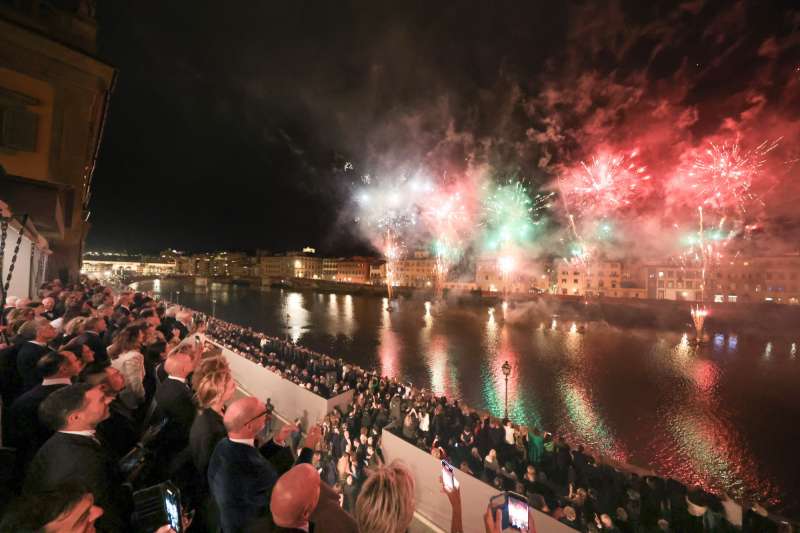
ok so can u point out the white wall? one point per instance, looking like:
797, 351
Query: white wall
433, 504
291, 401
21, 280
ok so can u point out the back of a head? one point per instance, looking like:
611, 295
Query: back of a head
386, 501
50, 363
295, 496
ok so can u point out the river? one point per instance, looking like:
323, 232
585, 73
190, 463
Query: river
725, 415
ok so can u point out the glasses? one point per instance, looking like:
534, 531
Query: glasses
265, 412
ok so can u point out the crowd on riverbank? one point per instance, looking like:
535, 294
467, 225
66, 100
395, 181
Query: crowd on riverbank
558, 478
106, 392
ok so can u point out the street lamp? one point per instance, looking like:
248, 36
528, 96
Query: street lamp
213, 307
506, 372
178, 300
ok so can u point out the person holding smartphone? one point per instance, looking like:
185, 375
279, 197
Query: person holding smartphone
505, 510
452, 490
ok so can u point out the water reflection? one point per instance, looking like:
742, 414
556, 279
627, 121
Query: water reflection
296, 315
719, 414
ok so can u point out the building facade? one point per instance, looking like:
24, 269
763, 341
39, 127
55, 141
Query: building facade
353, 270
602, 279
494, 274
54, 96
418, 270
773, 278
106, 265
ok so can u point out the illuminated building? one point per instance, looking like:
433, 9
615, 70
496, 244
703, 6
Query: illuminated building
774, 278
330, 267
107, 264
31, 263
54, 96
594, 279
278, 267
419, 270
500, 274
353, 270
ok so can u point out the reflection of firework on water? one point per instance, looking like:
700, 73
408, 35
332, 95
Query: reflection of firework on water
699, 318
723, 175
511, 215
604, 186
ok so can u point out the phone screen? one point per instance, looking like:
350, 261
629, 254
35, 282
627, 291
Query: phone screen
173, 510
448, 478
517, 512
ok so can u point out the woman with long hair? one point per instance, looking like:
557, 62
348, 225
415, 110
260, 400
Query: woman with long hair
214, 387
130, 362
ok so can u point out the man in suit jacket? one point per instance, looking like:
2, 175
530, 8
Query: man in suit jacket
31, 351
301, 501
26, 432
94, 330
174, 401
74, 452
239, 475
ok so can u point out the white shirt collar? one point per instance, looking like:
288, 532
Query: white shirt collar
37, 343
56, 381
249, 442
176, 378
85, 433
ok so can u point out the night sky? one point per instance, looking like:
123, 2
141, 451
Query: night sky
235, 125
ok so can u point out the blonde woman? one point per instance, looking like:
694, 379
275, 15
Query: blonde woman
130, 362
386, 501
214, 387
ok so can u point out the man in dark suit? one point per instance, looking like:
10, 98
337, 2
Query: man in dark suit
74, 452
174, 402
239, 475
301, 502
26, 432
31, 351
94, 330
119, 432
123, 304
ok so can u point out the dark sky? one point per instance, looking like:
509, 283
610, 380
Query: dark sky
232, 122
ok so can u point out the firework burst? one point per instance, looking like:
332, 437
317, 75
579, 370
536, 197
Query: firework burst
604, 186
723, 175
511, 215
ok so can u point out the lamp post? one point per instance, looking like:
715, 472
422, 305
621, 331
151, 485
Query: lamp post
214, 307
178, 296
506, 372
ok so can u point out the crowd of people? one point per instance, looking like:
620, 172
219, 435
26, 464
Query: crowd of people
107, 393
567, 482
107, 396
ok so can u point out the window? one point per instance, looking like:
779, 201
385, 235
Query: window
732, 298
719, 298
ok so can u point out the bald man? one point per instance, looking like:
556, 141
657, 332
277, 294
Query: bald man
240, 476
174, 402
295, 497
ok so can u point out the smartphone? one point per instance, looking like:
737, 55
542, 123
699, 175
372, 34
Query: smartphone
448, 478
172, 505
514, 510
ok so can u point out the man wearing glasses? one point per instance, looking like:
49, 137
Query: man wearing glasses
239, 474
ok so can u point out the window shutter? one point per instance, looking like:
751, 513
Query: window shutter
18, 128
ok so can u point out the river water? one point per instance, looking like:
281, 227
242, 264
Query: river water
725, 415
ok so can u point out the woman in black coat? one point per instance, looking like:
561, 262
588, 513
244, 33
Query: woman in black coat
214, 386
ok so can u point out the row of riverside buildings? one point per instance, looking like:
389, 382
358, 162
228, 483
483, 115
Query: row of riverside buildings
767, 278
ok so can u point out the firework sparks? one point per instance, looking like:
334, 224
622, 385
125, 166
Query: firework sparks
511, 215
604, 186
388, 211
723, 175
